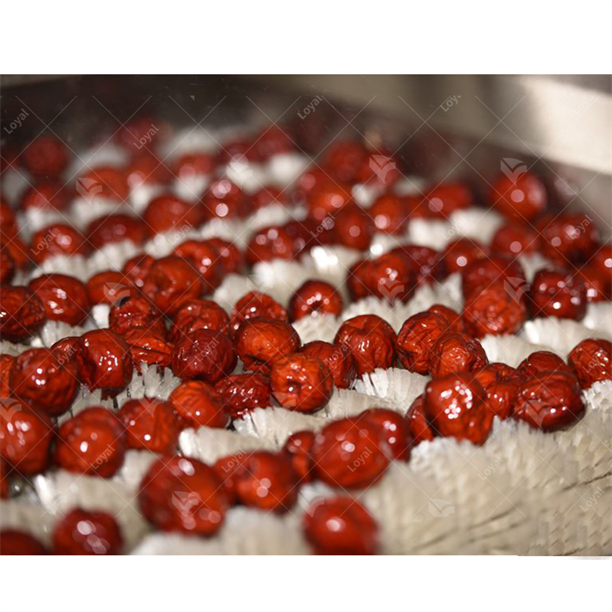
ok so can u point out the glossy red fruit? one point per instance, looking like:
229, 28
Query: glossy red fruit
461, 252
370, 339
226, 469
65, 351
514, 239
135, 312
350, 453
389, 214
416, 339
256, 304
327, 199
446, 198
22, 314
482, 273
184, 495
205, 355
40, 380
456, 406
224, 200
6, 365
103, 182
199, 404
64, 297
338, 359
417, 422
542, 361
104, 361
168, 213
314, 297
260, 342
267, 481
272, 140
519, 195
15, 542
82, 532
46, 156
149, 346
298, 450
591, 361
558, 293
568, 238
426, 263
116, 228
136, 269
7, 267
273, 242
242, 393
150, 424
268, 196
57, 239
301, 383
229, 256
109, 287
549, 401
496, 310
456, 352
379, 170
394, 429
93, 442
25, 436
147, 169
139, 133
204, 258
389, 277
598, 285
340, 526
198, 314
194, 164
353, 228
49, 196
501, 384
171, 281
452, 317
602, 259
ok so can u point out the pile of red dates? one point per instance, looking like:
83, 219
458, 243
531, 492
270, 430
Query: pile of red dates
230, 363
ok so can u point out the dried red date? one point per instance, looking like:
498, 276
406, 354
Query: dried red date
598, 285
136, 269
557, 293
416, 339
135, 312
482, 273
446, 198
224, 200
184, 495
417, 422
6, 365
171, 281
260, 342
104, 182
301, 383
456, 352
456, 406
230, 258
426, 262
150, 424
461, 252
515, 239
149, 346
340, 526
549, 401
591, 361
198, 314
206, 354
82, 532
226, 469
25, 436
40, 380
273, 242
338, 359
204, 258
394, 429
390, 277
93, 442
519, 196
242, 393
568, 237
199, 404
194, 164
602, 260
64, 297
452, 318
57, 239
266, 481
46, 156
542, 361
501, 384
15, 542
297, 449
327, 199
353, 228
116, 228
104, 361
168, 213
22, 314
109, 287
350, 453
370, 339
44, 196
313, 297
389, 214
256, 304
